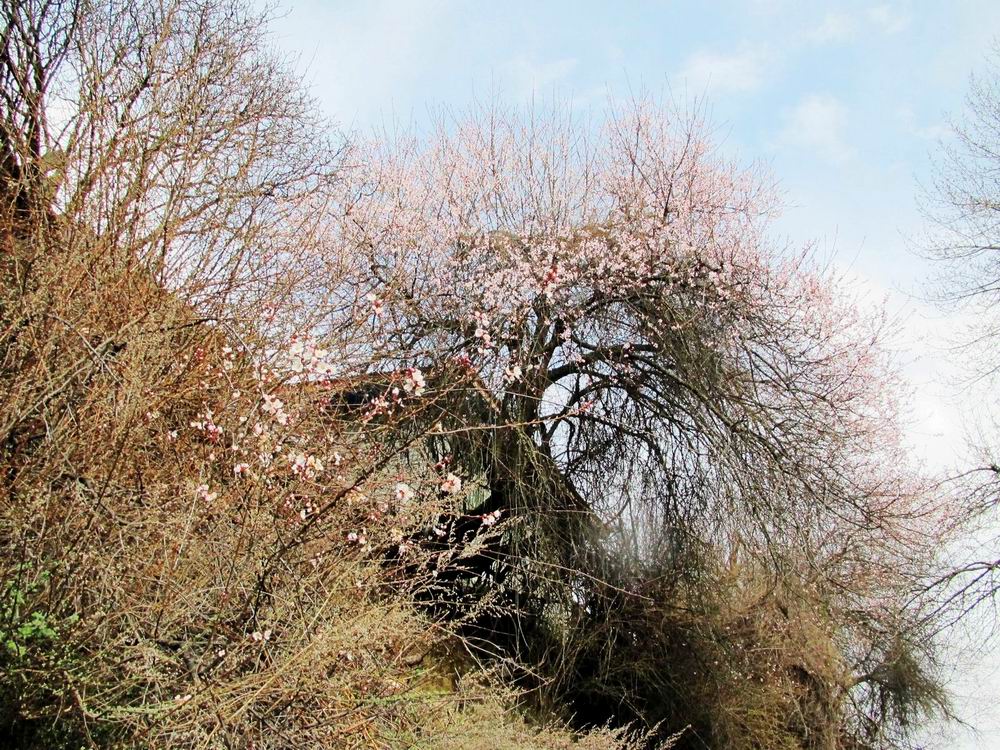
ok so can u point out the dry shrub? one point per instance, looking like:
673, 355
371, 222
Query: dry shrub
187, 563
189, 522
729, 654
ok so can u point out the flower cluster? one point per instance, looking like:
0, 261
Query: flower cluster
305, 466
451, 484
413, 381
304, 357
274, 407
403, 493
203, 492
377, 304
492, 518
206, 423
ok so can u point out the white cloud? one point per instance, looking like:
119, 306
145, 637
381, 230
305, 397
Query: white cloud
936, 131
529, 76
838, 26
818, 123
770, 7
720, 73
835, 27
887, 19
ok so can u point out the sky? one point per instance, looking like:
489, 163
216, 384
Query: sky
844, 103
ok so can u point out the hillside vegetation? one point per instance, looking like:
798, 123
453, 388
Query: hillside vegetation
520, 435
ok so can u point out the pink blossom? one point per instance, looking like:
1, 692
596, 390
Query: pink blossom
512, 374
403, 493
356, 538
451, 484
275, 407
306, 466
413, 382
203, 492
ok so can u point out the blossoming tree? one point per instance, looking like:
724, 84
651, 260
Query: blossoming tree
647, 375
657, 459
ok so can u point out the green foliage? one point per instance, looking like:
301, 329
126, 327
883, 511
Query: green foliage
21, 625
40, 661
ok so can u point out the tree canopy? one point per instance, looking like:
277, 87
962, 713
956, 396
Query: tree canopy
273, 401
653, 383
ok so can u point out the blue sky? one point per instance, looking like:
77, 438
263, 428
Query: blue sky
844, 102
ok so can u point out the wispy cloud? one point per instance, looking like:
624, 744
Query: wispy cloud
818, 123
834, 27
887, 19
839, 26
721, 73
528, 76
934, 131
